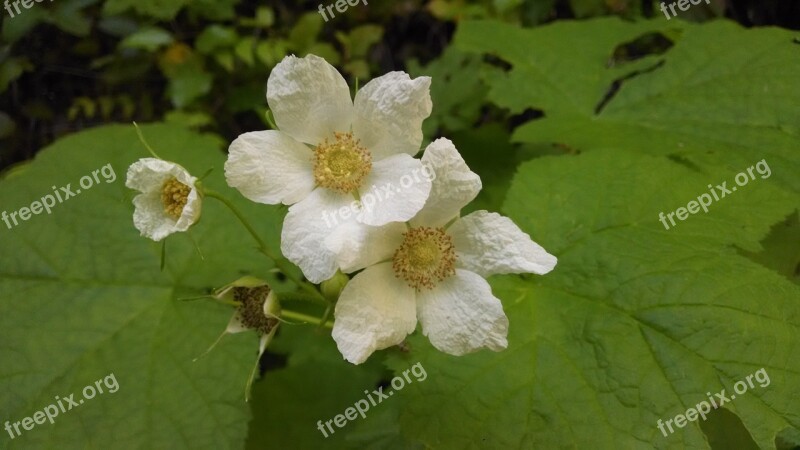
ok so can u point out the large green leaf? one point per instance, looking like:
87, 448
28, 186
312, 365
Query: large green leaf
721, 96
637, 323
82, 296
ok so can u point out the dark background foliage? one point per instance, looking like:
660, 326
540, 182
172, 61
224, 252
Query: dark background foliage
73, 64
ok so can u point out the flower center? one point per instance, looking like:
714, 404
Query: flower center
425, 257
251, 308
341, 165
174, 196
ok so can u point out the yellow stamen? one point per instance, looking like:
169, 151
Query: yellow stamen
341, 165
426, 257
174, 196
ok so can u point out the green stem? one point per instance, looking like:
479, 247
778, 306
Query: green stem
294, 315
326, 316
279, 263
144, 142
297, 297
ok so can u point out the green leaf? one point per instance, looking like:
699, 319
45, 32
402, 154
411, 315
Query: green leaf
11, 69
271, 52
68, 16
150, 39
458, 90
316, 385
213, 9
188, 82
634, 325
188, 119
159, 9
696, 101
82, 296
21, 24
215, 37
637, 323
358, 42
326, 51
265, 17
305, 32
245, 50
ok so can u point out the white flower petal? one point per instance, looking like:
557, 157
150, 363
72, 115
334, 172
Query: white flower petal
149, 217
309, 99
265, 340
461, 315
305, 229
357, 245
270, 167
375, 311
191, 211
389, 112
236, 325
150, 174
271, 306
394, 191
454, 184
488, 243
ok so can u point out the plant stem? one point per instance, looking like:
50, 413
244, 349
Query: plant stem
279, 263
297, 297
294, 315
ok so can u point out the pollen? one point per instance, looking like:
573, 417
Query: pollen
341, 165
174, 196
251, 308
425, 257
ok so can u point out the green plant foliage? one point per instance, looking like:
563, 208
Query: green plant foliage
637, 323
583, 132
168, 9
149, 39
694, 102
83, 297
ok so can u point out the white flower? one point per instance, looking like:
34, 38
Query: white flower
331, 150
432, 270
169, 201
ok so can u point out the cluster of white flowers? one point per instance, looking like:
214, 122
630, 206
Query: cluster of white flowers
418, 259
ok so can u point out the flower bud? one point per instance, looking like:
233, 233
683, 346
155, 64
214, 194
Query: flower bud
333, 287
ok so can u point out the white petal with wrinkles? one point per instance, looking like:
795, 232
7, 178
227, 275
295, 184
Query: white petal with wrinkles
461, 315
488, 243
394, 191
305, 229
149, 217
309, 99
150, 174
389, 111
374, 311
454, 184
270, 167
